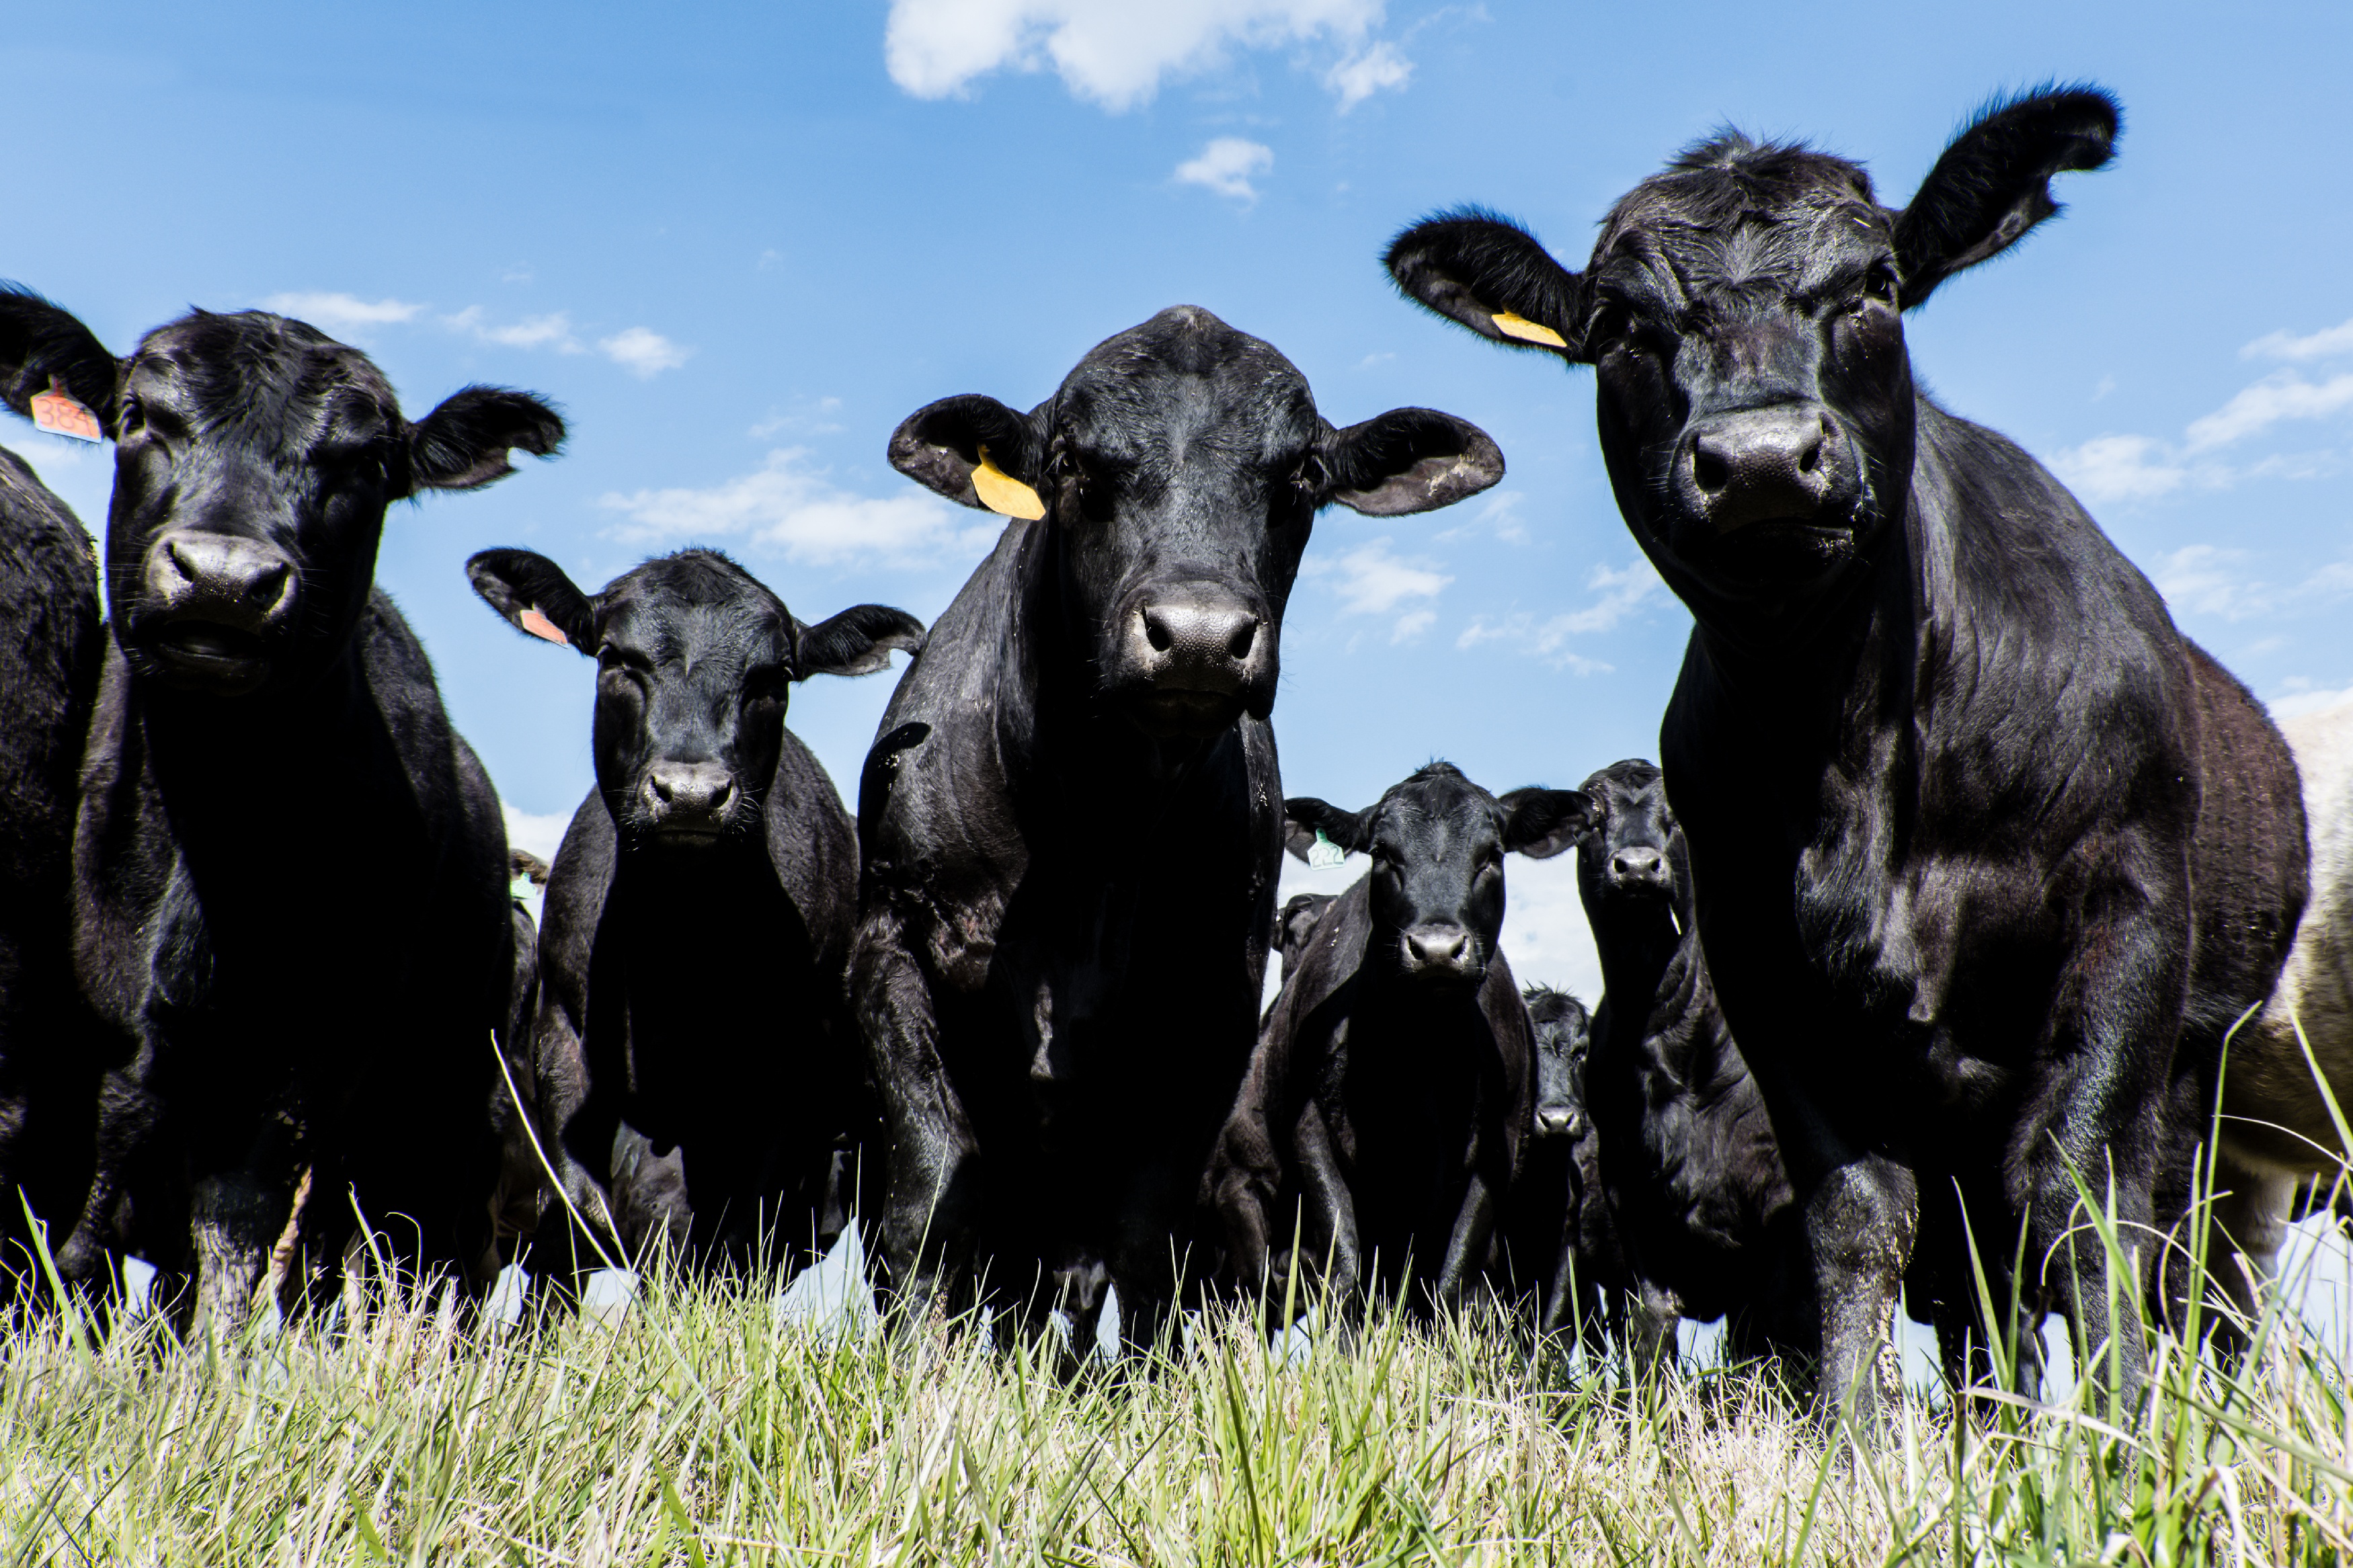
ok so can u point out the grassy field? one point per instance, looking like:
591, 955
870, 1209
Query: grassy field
706, 1426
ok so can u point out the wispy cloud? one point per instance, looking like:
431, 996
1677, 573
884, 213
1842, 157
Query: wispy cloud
552, 331
1372, 579
2283, 396
1117, 53
791, 507
1226, 166
2329, 342
346, 314
643, 353
1622, 590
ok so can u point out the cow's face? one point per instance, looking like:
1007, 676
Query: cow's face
1438, 843
695, 661
1626, 864
1741, 312
1180, 468
1295, 923
1562, 1031
255, 457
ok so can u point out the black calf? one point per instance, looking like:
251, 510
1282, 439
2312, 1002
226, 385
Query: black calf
1389, 1093
696, 1069
1295, 923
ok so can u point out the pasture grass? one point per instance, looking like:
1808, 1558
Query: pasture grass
704, 1426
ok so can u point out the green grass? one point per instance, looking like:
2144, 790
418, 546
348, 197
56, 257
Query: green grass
703, 1427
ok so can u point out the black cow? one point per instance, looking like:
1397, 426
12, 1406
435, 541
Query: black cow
1988, 855
696, 1067
1689, 1169
1558, 1251
1295, 923
50, 650
1390, 1093
266, 728
523, 1177
1071, 816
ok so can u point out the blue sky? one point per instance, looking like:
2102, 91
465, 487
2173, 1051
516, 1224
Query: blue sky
738, 244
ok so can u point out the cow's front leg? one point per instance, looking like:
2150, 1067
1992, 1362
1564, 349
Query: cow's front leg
1467, 1242
925, 1236
242, 1180
1328, 1241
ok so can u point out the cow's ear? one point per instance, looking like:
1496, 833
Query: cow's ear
41, 344
856, 642
1490, 275
463, 444
1304, 816
1993, 184
1541, 823
974, 451
532, 594
1408, 459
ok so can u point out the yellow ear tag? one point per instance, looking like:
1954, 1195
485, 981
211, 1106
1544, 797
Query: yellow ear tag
1527, 332
539, 627
1003, 494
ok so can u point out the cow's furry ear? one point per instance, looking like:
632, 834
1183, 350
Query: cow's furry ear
463, 444
1304, 816
532, 595
1541, 823
1993, 184
1408, 459
41, 342
1487, 273
856, 642
975, 451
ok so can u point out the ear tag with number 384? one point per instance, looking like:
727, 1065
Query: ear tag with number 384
59, 413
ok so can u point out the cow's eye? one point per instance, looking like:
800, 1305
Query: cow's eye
1879, 289
1609, 329
1308, 477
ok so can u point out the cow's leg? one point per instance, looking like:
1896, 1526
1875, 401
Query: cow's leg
1466, 1243
1860, 1218
240, 1193
924, 1236
2245, 1229
1654, 1319
1328, 1244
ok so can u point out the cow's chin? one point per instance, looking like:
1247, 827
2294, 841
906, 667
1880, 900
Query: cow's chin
198, 656
1182, 715
1771, 558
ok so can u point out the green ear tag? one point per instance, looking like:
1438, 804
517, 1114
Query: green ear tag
521, 889
1324, 852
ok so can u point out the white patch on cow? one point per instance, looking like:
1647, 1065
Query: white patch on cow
1115, 53
1226, 166
791, 508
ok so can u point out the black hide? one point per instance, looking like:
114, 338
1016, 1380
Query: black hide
290, 872
696, 1072
1987, 855
1071, 815
50, 650
1688, 1165
1295, 923
1558, 1253
1389, 1091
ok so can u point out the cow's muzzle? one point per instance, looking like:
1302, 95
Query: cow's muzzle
1192, 656
1788, 463
688, 804
1560, 1121
1442, 955
211, 607
1640, 869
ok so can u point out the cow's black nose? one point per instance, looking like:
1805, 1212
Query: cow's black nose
244, 584
1438, 950
1194, 642
1783, 461
1557, 1122
689, 798
1637, 866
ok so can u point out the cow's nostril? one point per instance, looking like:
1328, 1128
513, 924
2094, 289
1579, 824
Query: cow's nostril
1709, 471
1157, 633
268, 586
1238, 645
661, 786
1812, 457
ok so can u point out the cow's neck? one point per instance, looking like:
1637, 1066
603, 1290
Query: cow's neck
1642, 942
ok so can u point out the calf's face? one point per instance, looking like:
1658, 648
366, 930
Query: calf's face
1741, 312
695, 661
254, 459
1179, 468
1626, 863
1295, 923
1437, 843
1562, 1031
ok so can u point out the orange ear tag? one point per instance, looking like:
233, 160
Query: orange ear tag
57, 412
1003, 494
1527, 332
539, 626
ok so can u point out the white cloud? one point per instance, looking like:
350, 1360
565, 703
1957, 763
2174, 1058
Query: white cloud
2301, 696
2119, 468
340, 313
1366, 72
1226, 166
794, 510
1623, 589
2329, 342
1112, 53
1372, 581
2202, 578
1408, 629
643, 353
2283, 396
552, 331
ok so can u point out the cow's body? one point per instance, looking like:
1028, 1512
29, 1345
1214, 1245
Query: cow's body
289, 871
50, 642
1070, 817
1559, 1251
1986, 855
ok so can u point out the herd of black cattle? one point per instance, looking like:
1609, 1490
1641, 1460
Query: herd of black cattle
1977, 858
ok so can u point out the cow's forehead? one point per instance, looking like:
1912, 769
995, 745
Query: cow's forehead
696, 605
1441, 800
252, 366
1733, 216
1188, 376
